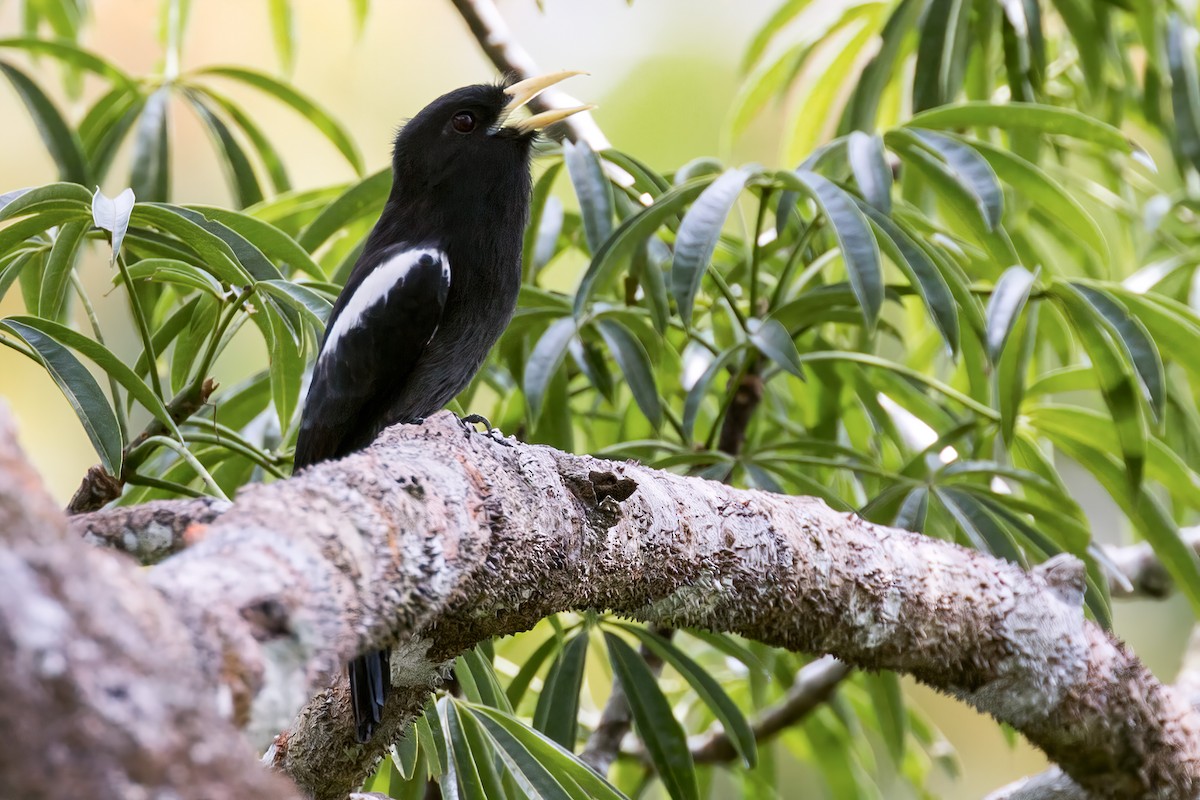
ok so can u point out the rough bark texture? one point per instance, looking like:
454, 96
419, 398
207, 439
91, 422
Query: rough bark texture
101, 691
437, 539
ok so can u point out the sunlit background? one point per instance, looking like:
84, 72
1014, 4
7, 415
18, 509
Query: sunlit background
664, 73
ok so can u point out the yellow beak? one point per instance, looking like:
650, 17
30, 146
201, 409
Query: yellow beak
524, 91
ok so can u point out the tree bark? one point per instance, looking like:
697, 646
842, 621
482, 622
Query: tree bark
436, 539
102, 694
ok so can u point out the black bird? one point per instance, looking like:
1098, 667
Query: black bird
434, 288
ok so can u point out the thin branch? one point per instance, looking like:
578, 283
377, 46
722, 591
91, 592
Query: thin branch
1144, 574
815, 684
490, 30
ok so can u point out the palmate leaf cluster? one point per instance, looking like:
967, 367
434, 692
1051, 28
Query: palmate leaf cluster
969, 276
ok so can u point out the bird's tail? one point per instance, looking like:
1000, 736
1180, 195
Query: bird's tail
369, 682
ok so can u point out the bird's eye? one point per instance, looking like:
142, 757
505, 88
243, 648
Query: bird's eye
463, 122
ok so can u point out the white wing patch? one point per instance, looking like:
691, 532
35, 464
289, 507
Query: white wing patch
375, 288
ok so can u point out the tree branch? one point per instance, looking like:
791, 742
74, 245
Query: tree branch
815, 683
440, 539
101, 693
490, 30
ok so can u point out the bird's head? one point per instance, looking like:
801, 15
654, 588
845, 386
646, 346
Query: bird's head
473, 131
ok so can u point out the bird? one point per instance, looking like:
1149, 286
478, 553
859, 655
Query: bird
434, 288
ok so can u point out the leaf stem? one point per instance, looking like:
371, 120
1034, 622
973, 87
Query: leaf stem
756, 250
794, 259
139, 316
188, 456
114, 387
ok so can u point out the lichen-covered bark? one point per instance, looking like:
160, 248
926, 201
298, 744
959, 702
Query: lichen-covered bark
100, 695
454, 537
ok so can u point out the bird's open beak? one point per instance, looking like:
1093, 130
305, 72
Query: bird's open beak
524, 91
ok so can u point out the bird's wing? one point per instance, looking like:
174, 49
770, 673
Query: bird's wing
377, 331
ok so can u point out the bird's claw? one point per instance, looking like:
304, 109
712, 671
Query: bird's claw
495, 434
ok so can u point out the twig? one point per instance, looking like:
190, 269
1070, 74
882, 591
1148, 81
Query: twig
490, 30
1144, 573
815, 684
605, 742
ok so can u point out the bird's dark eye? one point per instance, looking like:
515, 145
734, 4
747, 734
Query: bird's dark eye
463, 122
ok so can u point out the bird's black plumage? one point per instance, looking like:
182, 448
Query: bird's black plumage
434, 288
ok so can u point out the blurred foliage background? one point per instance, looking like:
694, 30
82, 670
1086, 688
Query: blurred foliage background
974, 323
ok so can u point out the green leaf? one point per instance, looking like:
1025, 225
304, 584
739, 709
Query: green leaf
312, 305
287, 370
318, 117
1115, 376
533, 662
112, 215
463, 773
697, 237
363, 198
971, 170
269, 239
404, 753
592, 189
1006, 303
544, 361
249, 256
535, 755
1012, 369
1139, 348
59, 265
1032, 183
707, 688
960, 202
271, 160
782, 15
634, 362
151, 177
52, 196
941, 53
283, 31
982, 529
921, 272
1050, 120
887, 697
239, 172
478, 669
767, 81
631, 233
81, 390
558, 704
171, 270
666, 743
1185, 87
774, 342
103, 358
871, 170
537, 246
862, 109
59, 137
860, 251
69, 53
214, 253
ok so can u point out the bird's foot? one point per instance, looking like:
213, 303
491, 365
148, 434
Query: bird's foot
495, 434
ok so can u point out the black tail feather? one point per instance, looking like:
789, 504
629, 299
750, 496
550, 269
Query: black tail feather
369, 683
